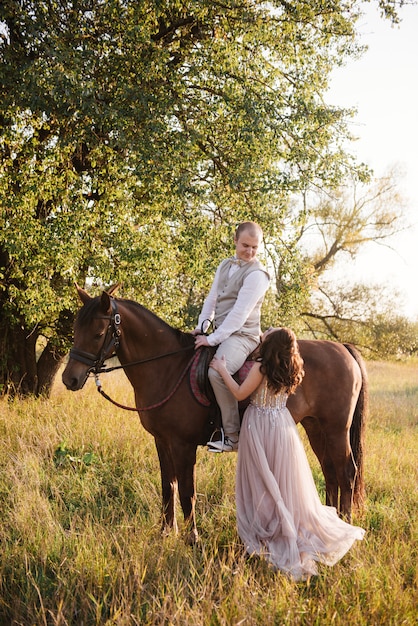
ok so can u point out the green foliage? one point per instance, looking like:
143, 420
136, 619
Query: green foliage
136, 135
63, 456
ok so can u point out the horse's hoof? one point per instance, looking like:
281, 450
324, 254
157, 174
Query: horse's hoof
167, 530
191, 538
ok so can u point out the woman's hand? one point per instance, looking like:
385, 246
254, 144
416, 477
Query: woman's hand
219, 365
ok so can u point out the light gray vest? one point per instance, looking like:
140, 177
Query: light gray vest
228, 289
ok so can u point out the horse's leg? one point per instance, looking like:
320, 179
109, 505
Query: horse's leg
184, 456
168, 485
318, 443
342, 458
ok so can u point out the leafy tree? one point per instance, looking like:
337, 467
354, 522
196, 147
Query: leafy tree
363, 315
136, 134
336, 225
344, 219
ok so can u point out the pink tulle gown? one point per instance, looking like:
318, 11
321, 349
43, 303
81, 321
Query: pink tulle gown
279, 513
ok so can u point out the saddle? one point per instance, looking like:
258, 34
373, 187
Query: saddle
202, 389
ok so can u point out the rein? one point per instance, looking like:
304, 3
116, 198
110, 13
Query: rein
106, 370
151, 406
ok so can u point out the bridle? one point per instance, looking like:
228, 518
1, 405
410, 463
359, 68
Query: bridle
109, 348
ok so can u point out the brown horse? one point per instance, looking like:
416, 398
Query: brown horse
156, 358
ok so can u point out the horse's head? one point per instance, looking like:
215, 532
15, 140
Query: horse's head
96, 331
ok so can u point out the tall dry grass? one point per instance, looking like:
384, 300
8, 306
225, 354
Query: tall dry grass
80, 537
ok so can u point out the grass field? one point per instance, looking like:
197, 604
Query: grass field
80, 539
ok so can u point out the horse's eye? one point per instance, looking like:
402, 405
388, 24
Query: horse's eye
98, 336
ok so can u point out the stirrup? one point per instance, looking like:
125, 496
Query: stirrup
217, 430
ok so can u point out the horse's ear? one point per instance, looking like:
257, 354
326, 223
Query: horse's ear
113, 288
105, 298
105, 302
83, 295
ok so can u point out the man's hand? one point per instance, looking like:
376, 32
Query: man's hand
201, 340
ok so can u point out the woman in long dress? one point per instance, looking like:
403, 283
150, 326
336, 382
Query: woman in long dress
279, 513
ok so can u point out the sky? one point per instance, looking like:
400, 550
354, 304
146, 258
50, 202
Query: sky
383, 87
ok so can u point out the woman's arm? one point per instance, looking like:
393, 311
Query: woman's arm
250, 384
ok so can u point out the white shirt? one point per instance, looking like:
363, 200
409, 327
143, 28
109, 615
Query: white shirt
253, 288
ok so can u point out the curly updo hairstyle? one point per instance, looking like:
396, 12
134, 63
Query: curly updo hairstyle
280, 360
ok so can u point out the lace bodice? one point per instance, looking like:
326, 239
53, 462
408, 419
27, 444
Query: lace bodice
263, 398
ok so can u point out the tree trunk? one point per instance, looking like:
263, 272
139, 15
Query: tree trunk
48, 365
21, 373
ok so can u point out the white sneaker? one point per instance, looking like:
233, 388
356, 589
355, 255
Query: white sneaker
227, 445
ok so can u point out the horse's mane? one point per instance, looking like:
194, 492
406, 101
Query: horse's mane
92, 307
185, 339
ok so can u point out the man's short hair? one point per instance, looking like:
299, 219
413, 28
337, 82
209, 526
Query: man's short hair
252, 227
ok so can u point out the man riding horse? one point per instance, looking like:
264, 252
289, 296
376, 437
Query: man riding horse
234, 305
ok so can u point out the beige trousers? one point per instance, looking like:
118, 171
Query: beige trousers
235, 349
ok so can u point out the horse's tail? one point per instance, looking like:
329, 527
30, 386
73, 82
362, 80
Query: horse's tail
357, 429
